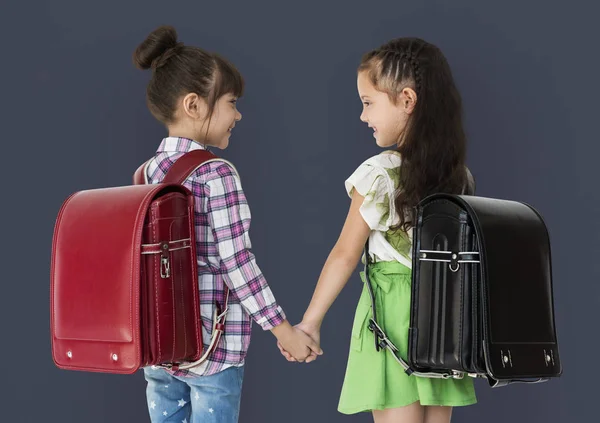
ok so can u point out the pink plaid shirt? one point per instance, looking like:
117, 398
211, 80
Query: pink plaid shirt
222, 221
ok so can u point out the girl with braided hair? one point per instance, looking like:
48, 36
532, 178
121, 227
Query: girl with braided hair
414, 108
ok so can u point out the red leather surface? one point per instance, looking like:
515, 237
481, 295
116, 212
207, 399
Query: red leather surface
172, 306
103, 290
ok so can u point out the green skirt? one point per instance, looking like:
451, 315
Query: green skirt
374, 379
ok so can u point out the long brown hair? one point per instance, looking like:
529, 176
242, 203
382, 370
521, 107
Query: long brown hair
433, 145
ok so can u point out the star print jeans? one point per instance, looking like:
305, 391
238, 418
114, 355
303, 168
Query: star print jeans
194, 399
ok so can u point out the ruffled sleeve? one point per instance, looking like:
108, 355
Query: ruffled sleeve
374, 184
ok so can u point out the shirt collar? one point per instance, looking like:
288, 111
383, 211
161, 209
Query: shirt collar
179, 145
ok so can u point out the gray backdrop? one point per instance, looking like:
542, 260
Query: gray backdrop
74, 117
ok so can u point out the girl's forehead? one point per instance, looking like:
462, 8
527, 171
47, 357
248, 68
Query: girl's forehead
366, 87
363, 82
227, 97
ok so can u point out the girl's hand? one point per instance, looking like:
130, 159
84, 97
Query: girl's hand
313, 331
297, 344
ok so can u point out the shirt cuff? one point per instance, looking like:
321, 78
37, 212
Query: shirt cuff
274, 317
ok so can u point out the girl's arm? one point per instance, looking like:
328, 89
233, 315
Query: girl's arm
229, 219
339, 266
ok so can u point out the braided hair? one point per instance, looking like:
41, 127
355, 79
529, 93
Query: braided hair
433, 145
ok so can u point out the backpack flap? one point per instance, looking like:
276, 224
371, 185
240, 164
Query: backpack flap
517, 305
95, 278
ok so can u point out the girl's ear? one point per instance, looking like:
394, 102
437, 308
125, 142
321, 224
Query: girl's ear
408, 100
194, 106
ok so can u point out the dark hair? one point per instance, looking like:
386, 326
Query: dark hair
433, 145
179, 69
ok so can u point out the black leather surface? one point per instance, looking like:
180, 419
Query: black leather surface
496, 317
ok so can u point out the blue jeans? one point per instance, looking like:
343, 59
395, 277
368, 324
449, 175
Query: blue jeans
194, 399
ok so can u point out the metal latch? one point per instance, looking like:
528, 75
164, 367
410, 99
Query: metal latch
165, 264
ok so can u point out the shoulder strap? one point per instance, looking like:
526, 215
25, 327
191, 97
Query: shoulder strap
177, 174
185, 165
139, 175
469, 187
382, 342
182, 168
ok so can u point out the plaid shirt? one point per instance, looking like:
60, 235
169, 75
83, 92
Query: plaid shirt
222, 222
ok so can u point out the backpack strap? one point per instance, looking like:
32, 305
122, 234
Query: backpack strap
179, 171
383, 342
186, 165
139, 177
469, 187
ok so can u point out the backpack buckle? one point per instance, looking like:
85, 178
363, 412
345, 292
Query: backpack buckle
165, 264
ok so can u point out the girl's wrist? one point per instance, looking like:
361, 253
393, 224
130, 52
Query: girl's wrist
283, 330
312, 321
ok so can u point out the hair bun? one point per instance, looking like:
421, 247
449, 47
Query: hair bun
151, 53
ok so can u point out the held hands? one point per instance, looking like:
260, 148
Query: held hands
298, 346
305, 330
